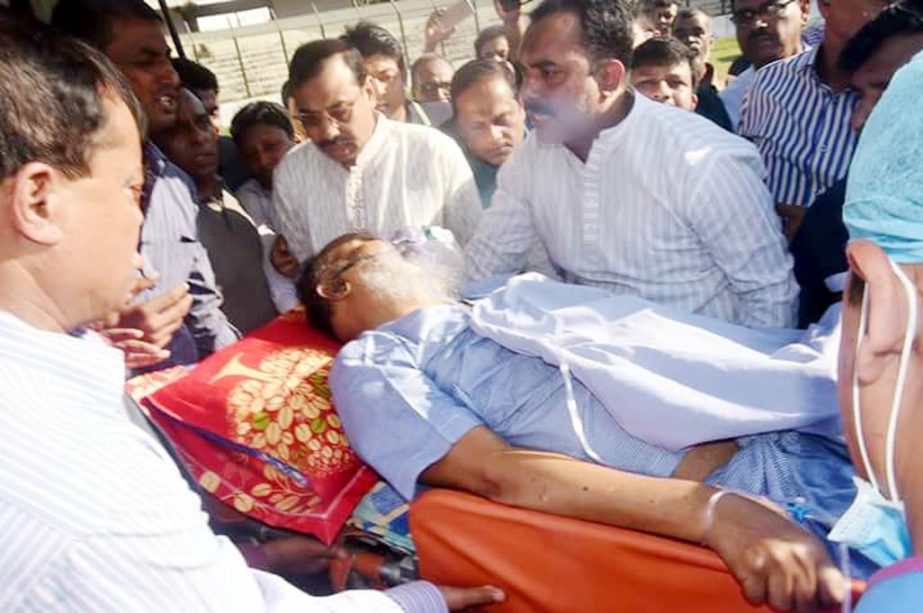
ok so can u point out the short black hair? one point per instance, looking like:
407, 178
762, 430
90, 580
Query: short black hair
317, 308
690, 12
261, 112
899, 19
54, 90
195, 76
91, 20
645, 6
664, 51
310, 57
287, 92
487, 35
371, 39
476, 71
606, 25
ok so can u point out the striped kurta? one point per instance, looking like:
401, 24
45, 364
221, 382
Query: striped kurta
801, 127
667, 206
94, 515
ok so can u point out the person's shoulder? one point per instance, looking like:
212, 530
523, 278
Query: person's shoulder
686, 135
297, 161
782, 71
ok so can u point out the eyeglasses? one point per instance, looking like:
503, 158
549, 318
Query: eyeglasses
341, 113
766, 10
331, 286
434, 88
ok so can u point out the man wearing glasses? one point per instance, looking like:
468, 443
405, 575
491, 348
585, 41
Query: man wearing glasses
361, 170
798, 110
766, 32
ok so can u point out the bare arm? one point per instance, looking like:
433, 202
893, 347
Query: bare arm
774, 560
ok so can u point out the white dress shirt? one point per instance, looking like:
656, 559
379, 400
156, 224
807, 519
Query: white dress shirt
405, 175
667, 206
257, 201
94, 515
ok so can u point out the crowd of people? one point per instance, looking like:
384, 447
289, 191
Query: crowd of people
683, 302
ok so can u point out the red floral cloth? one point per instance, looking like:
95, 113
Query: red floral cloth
256, 426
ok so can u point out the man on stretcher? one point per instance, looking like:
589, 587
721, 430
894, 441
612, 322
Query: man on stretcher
573, 401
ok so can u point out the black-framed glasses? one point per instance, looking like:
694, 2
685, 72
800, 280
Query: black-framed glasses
340, 113
767, 10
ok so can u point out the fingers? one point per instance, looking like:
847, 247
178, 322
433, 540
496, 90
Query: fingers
831, 586
139, 354
120, 335
459, 598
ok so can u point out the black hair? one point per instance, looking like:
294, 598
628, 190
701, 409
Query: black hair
195, 76
91, 20
476, 71
371, 40
53, 89
260, 112
606, 25
287, 92
317, 308
664, 51
647, 6
487, 35
898, 19
310, 57
691, 12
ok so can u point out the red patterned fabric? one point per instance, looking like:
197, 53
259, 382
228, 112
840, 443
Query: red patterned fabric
257, 428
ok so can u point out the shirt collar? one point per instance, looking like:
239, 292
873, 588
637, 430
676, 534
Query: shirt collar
808, 63
383, 128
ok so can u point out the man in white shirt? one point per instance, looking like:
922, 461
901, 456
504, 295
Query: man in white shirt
94, 515
361, 170
628, 194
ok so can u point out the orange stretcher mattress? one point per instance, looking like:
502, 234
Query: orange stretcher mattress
554, 564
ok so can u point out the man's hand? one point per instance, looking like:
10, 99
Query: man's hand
774, 560
138, 353
282, 259
159, 318
792, 216
460, 598
436, 31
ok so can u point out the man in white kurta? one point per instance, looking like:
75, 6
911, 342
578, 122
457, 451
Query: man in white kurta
630, 195
362, 171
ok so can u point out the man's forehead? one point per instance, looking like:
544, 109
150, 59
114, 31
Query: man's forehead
191, 107
133, 37
333, 84
691, 22
553, 38
893, 53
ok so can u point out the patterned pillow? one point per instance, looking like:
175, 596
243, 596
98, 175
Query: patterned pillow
256, 426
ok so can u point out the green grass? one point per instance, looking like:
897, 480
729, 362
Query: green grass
723, 53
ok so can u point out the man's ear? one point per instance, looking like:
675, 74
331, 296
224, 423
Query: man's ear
335, 291
35, 200
887, 310
369, 90
610, 74
805, 6
695, 101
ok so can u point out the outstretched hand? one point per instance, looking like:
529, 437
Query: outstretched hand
436, 31
775, 561
461, 598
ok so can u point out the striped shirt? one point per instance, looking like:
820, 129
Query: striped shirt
94, 516
668, 206
170, 247
801, 127
405, 175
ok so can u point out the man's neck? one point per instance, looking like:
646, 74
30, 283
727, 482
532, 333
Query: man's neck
208, 187
384, 313
614, 115
828, 65
400, 114
29, 302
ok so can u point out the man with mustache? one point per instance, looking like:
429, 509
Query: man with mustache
228, 233
798, 111
763, 39
628, 194
176, 315
361, 170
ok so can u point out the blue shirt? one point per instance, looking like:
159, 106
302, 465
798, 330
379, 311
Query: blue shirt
801, 127
170, 246
409, 390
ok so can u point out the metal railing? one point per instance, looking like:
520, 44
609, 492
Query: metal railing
252, 62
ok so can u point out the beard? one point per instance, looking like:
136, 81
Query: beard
390, 278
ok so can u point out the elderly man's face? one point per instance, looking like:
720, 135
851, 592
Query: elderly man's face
191, 143
97, 257
337, 111
769, 30
695, 32
490, 119
561, 96
139, 50
872, 78
432, 81
497, 48
388, 81
671, 85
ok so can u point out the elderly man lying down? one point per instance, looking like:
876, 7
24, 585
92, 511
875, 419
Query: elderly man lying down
569, 400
